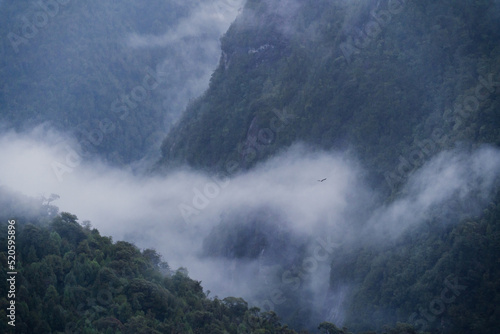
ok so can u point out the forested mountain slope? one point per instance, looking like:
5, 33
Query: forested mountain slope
71, 279
375, 76
394, 83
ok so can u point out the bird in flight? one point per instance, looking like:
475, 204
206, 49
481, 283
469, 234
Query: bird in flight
322, 180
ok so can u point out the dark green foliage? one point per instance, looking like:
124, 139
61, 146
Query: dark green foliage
67, 228
71, 279
97, 286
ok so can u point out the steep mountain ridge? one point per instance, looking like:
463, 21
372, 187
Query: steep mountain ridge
379, 95
393, 82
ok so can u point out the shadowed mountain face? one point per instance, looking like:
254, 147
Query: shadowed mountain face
256, 234
375, 76
112, 75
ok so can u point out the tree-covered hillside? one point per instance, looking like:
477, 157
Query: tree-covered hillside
392, 82
378, 77
73, 280
439, 278
70, 279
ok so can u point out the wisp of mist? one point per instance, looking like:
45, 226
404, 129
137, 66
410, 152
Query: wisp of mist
150, 210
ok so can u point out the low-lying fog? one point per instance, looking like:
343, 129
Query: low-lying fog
286, 210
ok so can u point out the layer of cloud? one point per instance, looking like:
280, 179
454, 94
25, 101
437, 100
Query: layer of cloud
453, 185
151, 210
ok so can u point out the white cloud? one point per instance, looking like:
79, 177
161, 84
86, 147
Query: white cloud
454, 184
207, 18
145, 209
192, 52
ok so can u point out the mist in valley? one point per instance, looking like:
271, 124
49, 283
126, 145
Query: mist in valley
266, 234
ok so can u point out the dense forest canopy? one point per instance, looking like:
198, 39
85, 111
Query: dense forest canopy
414, 78
73, 280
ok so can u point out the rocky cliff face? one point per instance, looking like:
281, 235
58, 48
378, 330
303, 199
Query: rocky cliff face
373, 76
